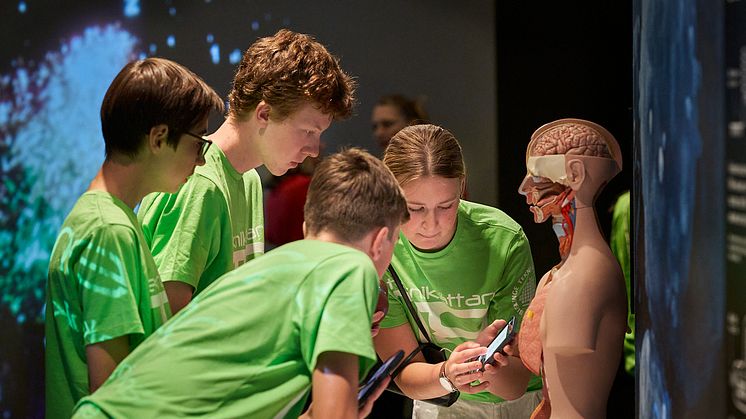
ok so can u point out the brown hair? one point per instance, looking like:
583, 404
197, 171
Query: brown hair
412, 110
287, 69
351, 193
424, 150
151, 92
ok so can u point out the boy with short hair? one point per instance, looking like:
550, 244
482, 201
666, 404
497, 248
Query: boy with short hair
104, 295
286, 91
300, 316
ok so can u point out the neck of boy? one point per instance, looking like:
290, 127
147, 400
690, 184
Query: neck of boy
127, 182
329, 237
237, 141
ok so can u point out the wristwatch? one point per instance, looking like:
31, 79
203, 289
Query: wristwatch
444, 381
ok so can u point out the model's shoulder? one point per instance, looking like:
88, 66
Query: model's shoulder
595, 277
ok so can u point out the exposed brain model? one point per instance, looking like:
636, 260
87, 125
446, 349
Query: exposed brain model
574, 136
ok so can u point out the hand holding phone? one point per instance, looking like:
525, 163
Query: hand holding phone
503, 338
381, 373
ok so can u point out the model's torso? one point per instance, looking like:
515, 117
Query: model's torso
582, 354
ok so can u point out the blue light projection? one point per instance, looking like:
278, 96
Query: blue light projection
50, 141
215, 53
131, 8
46, 111
235, 56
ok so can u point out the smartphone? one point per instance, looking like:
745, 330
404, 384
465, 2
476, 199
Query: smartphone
382, 372
503, 338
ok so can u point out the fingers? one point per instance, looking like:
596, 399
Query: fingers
500, 362
489, 332
378, 316
463, 366
368, 406
512, 348
464, 380
375, 323
466, 351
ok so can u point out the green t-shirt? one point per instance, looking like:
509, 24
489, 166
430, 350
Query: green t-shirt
102, 284
620, 222
485, 273
247, 346
212, 225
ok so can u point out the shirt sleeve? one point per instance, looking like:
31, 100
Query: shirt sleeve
107, 271
520, 278
184, 229
336, 305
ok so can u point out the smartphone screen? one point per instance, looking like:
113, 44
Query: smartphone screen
499, 342
385, 369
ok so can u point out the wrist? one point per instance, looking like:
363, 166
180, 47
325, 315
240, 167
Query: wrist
446, 382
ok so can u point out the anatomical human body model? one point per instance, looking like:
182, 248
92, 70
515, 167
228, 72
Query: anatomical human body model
573, 331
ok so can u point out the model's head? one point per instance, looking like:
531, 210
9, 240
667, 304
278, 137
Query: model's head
391, 113
559, 157
153, 92
428, 164
568, 162
287, 70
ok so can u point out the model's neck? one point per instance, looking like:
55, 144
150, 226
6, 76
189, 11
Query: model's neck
587, 231
237, 140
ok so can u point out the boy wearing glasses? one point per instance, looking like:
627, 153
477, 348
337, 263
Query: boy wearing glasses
298, 318
287, 90
104, 294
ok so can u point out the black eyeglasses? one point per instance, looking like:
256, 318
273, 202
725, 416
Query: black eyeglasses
204, 143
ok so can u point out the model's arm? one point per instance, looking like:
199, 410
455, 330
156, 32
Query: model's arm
574, 309
508, 378
179, 294
102, 358
420, 380
335, 388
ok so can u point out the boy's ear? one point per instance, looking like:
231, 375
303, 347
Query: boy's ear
157, 137
262, 113
304, 229
379, 240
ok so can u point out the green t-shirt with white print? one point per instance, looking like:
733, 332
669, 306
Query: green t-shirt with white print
212, 225
485, 273
102, 284
247, 346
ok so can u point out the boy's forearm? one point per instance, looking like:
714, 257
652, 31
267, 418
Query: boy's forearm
335, 386
102, 358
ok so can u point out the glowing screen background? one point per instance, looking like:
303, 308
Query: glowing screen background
58, 58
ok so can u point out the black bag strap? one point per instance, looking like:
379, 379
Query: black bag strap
408, 302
